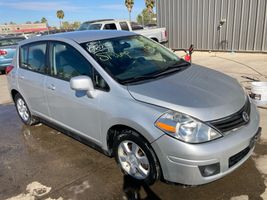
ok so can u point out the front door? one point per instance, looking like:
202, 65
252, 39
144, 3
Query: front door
71, 109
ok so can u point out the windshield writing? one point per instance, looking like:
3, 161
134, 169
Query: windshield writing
126, 58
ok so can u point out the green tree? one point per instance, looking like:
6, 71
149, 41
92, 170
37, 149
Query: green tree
37, 22
12, 22
76, 25
28, 22
145, 17
65, 25
60, 15
129, 5
150, 4
43, 20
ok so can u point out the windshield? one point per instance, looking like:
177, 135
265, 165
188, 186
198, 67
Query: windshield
131, 57
88, 26
10, 41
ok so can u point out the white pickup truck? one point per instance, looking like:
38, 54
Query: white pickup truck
157, 34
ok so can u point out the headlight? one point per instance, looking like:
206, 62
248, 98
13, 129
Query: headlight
185, 128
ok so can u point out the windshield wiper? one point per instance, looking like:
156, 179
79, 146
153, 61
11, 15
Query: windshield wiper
171, 69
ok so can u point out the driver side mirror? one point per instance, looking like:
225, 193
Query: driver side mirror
83, 83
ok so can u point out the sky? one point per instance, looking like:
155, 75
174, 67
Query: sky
21, 11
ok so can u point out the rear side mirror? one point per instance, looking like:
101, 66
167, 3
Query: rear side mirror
83, 83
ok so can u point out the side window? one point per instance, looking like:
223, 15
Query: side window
94, 27
24, 57
110, 27
33, 57
124, 26
67, 62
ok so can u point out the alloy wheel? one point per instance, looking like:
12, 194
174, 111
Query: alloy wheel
23, 110
133, 160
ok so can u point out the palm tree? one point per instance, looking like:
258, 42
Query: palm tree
129, 5
60, 15
149, 6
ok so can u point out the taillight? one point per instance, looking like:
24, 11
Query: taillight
165, 33
3, 52
9, 69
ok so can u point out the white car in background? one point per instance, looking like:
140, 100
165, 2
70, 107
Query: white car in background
156, 34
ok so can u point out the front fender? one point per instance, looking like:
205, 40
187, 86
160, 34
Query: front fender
138, 116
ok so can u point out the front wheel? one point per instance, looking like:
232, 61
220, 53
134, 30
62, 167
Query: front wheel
23, 111
135, 157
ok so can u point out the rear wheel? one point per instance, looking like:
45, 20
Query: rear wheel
135, 157
23, 111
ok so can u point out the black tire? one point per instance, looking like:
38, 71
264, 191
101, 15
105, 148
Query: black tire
130, 135
31, 119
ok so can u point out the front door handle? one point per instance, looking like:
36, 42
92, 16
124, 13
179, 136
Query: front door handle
51, 87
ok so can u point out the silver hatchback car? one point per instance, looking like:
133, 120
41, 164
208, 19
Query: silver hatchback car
131, 98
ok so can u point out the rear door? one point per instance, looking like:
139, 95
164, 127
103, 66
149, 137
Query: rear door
31, 76
71, 109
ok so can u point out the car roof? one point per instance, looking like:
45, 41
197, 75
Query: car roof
105, 21
98, 20
108, 21
82, 36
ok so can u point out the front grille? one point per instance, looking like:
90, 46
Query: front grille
233, 121
237, 157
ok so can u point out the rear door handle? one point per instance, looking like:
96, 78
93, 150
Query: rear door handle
51, 87
21, 77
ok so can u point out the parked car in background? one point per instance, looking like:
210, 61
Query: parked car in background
158, 115
7, 50
156, 34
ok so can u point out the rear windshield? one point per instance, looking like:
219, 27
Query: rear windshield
10, 41
136, 26
128, 57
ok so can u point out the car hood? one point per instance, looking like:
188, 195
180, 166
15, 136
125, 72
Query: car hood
197, 91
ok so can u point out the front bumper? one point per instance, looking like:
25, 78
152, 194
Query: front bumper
180, 161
